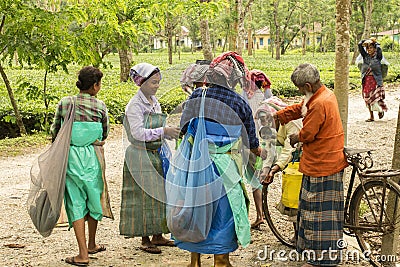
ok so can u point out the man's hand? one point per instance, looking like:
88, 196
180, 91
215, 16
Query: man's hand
294, 139
267, 175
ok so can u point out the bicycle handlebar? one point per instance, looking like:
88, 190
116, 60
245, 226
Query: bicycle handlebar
361, 162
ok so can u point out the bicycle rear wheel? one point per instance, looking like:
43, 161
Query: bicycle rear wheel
375, 214
282, 226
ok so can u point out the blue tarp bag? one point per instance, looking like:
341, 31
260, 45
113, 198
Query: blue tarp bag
192, 186
165, 154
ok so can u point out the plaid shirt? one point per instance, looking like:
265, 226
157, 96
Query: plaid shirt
224, 106
88, 108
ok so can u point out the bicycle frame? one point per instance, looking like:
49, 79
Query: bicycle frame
361, 166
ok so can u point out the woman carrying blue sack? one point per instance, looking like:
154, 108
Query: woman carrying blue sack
143, 193
223, 120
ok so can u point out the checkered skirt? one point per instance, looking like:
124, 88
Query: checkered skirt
320, 219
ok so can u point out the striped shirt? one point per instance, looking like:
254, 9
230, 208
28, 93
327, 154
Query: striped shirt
88, 108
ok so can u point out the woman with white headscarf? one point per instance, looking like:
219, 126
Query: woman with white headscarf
143, 194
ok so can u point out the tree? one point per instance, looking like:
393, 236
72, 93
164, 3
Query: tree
368, 17
112, 25
242, 9
342, 59
205, 35
390, 240
25, 32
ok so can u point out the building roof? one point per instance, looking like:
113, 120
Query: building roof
262, 31
184, 31
390, 32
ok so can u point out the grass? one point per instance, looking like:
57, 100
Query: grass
10, 147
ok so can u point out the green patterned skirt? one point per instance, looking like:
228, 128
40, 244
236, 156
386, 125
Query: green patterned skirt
143, 194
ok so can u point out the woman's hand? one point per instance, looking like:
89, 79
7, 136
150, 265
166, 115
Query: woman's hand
172, 132
264, 154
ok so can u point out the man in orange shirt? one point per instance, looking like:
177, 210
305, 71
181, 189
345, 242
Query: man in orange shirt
321, 204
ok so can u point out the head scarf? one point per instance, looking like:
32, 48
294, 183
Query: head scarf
141, 72
259, 76
270, 106
194, 73
227, 70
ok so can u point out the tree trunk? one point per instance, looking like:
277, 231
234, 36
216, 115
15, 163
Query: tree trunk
368, 17
249, 42
240, 27
205, 36
303, 42
233, 32
342, 59
390, 240
18, 117
277, 32
205, 39
355, 53
125, 61
242, 11
168, 29
367, 29
45, 99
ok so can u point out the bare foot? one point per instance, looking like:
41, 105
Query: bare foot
257, 223
161, 241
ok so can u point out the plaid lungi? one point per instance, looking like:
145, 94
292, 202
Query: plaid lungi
320, 219
373, 93
143, 193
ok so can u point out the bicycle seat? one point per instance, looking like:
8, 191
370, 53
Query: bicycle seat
354, 151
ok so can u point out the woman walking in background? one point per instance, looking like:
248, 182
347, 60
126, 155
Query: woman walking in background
372, 77
86, 195
143, 194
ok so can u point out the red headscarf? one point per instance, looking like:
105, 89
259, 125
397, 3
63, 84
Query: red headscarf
259, 76
230, 65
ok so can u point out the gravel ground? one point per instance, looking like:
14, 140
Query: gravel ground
21, 245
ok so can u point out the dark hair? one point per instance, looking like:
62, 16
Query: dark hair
259, 84
203, 62
87, 77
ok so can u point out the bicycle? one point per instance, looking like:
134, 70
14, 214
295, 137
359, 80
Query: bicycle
371, 210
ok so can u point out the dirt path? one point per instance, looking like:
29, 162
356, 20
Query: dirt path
16, 227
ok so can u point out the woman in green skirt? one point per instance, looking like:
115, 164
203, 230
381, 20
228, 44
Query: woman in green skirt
143, 194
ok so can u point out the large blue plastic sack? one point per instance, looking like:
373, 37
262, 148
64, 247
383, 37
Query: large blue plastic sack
192, 185
165, 155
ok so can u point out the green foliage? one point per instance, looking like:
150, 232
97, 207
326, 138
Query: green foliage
388, 44
116, 95
171, 99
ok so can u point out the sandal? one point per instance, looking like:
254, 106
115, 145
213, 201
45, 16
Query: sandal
369, 120
151, 249
256, 224
381, 114
100, 248
71, 260
165, 242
